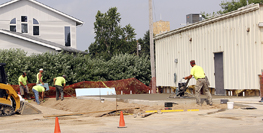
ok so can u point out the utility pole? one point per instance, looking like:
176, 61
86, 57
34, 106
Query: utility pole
152, 47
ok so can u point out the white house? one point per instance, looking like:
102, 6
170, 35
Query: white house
229, 47
36, 28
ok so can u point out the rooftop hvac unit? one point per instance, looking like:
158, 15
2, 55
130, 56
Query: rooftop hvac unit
192, 18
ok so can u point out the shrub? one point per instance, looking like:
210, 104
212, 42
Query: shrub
77, 67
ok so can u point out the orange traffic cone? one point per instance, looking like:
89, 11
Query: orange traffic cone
122, 123
57, 128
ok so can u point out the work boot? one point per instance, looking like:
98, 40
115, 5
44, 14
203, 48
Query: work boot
199, 104
204, 100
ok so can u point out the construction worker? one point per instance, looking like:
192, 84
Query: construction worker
36, 89
22, 81
40, 77
199, 75
58, 81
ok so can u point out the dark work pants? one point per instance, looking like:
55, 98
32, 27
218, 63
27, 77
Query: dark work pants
59, 89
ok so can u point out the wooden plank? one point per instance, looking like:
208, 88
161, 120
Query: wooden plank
248, 102
151, 111
146, 115
72, 114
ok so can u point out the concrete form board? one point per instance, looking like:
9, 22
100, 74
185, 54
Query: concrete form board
242, 50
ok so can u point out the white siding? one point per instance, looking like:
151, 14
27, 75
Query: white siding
242, 51
51, 25
7, 42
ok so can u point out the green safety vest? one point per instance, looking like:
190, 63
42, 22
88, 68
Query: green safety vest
38, 82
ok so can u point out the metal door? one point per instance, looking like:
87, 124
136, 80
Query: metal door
219, 74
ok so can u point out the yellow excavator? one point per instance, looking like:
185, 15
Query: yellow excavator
10, 101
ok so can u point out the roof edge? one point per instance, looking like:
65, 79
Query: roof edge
28, 39
249, 8
8, 3
78, 22
58, 48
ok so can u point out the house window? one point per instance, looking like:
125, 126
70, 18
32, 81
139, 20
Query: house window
23, 18
35, 30
35, 27
13, 25
24, 28
13, 28
13, 21
35, 21
67, 36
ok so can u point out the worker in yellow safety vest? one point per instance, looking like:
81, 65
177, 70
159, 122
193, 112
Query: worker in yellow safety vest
40, 77
58, 81
201, 81
22, 81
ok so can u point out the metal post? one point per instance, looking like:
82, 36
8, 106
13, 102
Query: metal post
137, 48
261, 83
152, 48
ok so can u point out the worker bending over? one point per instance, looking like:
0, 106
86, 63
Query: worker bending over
58, 81
36, 89
199, 75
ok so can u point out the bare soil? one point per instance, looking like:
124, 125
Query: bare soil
91, 105
204, 120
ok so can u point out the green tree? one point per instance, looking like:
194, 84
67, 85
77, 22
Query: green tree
145, 44
230, 6
77, 67
233, 5
111, 38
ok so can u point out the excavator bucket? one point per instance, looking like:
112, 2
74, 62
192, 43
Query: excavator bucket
28, 109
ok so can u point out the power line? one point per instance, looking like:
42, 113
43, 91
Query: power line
154, 11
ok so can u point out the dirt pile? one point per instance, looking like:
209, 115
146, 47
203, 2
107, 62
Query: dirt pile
84, 105
90, 105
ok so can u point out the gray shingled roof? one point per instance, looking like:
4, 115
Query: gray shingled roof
39, 41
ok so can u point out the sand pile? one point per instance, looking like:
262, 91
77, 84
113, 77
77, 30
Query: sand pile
90, 105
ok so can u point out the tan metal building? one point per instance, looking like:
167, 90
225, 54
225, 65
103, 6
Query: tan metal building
229, 47
161, 27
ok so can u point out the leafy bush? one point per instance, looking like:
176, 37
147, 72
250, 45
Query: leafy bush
77, 67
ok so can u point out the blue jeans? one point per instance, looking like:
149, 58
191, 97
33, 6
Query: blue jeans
36, 96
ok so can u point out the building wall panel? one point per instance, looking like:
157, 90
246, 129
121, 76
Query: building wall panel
242, 51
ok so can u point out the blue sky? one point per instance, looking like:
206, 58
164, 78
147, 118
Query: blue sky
134, 12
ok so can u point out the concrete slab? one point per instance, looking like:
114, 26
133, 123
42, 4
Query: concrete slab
205, 121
